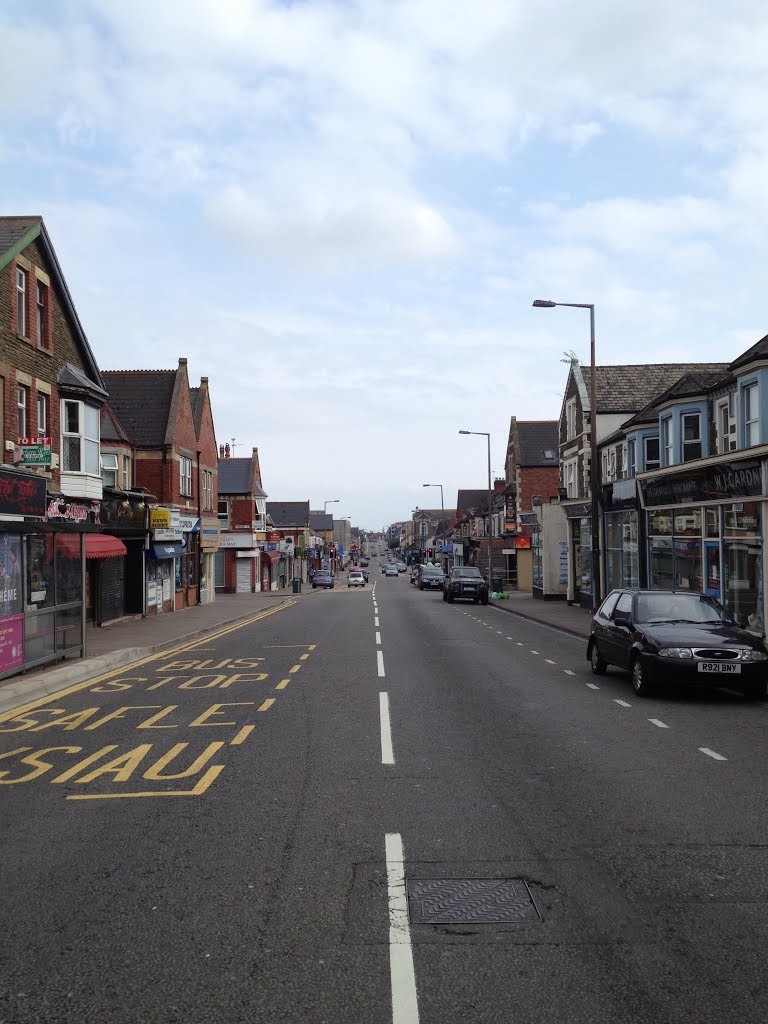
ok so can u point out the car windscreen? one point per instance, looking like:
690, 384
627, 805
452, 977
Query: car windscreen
323, 572
468, 574
695, 608
432, 574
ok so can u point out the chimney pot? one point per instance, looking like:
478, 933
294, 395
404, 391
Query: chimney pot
182, 361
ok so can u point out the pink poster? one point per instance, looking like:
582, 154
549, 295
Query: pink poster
11, 642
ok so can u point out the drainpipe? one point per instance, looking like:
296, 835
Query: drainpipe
200, 535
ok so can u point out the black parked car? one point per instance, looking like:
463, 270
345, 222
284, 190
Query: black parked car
465, 582
664, 636
430, 578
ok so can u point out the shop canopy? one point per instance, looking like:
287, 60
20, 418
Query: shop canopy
101, 545
167, 551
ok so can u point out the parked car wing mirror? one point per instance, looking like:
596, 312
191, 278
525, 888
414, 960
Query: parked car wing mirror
622, 618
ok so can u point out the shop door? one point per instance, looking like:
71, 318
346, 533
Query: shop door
219, 580
712, 570
243, 576
112, 588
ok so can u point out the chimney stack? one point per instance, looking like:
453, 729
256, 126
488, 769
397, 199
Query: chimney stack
221, 451
226, 450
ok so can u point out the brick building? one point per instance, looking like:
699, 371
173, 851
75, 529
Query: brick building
242, 563
290, 532
176, 460
51, 396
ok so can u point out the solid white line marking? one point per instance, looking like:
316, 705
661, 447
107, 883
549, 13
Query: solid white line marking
569, 673
712, 753
376, 620
387, 756
378, 639
592, 686
380, 663
405, 1007
657, 721
550, 662
623, 703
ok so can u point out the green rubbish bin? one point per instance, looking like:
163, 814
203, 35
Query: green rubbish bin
297, 586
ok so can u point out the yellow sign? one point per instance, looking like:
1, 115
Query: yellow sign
160, 518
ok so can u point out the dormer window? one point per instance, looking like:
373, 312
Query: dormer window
651, 460
751, 416
691, 436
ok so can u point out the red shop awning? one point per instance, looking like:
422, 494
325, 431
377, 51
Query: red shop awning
271, 556
101, 545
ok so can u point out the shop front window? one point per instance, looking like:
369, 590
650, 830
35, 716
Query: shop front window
688, 574
584, 556
40, 588
742, 591
69, 572
630, 558
661, 576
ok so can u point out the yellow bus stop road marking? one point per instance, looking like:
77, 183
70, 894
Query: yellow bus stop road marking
76, 687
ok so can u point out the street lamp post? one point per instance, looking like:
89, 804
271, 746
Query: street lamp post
594, 476
481, 433
442, 509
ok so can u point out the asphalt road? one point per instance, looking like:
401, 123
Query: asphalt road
223, 833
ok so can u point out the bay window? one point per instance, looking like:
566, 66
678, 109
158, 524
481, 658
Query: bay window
651, 449
22, 402
691, 436
80, 438
631, 459
667, 441
185, 476
109, 469
751, 416
21, 302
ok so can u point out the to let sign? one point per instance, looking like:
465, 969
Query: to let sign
35, 451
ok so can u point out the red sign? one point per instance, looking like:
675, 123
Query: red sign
522, 542
21, 495
11, 642
273, 538
35, 440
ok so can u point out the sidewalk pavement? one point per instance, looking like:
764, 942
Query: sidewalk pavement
558, 614
127, 640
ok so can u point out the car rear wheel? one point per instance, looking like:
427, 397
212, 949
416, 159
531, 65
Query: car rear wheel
484, 600
640, 683
598, 665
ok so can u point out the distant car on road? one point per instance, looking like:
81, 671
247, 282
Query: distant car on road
322, 578
401, 566
467, 583
687, 639
390, 570
356, 578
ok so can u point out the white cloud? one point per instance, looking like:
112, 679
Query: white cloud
326, 232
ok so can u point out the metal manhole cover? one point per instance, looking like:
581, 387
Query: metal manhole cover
470, 900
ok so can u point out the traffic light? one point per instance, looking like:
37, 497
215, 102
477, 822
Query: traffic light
431, 553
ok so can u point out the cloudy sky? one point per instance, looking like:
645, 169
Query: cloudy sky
341, 210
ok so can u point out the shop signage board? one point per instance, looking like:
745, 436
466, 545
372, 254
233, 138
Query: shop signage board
35, 451
160, 518
236, 540
563, 551
722, 481
125, 513
21, 494
168, 528
510, 524
189, 524
210, 533
77, 513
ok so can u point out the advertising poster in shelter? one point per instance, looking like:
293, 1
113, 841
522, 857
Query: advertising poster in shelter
11, 604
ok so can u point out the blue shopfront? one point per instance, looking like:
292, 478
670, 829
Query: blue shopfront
705, 533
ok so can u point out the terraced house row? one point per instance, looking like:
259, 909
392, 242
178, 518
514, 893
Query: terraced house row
109, 479
682, 480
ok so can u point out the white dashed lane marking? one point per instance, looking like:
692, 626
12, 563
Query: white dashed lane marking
569, 673
592, 686
550, 662
713, 754
621, 703
658, 722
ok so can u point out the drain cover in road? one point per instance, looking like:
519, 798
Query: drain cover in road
470, 901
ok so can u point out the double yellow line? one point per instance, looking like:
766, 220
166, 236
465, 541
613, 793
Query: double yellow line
76, 687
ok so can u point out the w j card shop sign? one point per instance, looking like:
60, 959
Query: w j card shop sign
721, 482
11, 607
